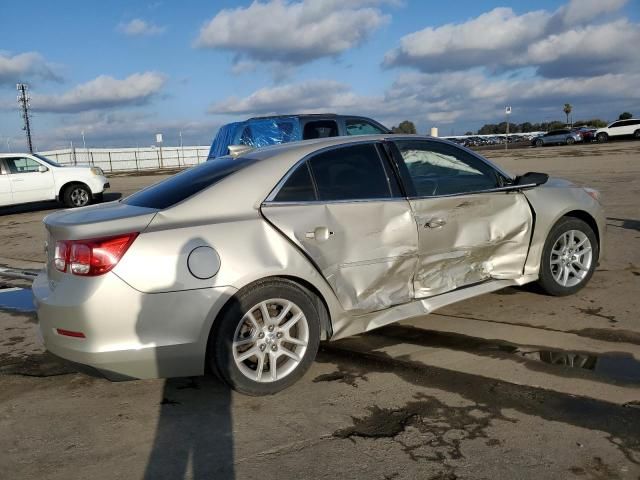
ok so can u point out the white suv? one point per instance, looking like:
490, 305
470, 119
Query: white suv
619, 128
28, 178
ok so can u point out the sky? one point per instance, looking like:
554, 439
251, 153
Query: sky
121, 71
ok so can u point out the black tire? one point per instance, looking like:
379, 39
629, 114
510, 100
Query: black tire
76, 195
602, 137
570, 141
636, 134
546, 280
538, 143
220, 349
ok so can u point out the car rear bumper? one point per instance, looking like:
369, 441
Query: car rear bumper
127, 333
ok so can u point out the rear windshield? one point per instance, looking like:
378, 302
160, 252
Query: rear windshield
185, 184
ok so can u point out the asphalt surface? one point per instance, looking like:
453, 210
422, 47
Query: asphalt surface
512, 384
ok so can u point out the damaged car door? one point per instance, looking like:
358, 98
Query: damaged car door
344, 208
469, 231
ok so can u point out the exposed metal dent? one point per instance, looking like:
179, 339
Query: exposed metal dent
353, 325
482, 237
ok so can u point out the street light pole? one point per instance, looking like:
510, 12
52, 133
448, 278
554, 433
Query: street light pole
507, 112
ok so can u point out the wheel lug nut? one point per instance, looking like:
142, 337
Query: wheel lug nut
274, 347
262, 347
261, 335
271, 328
279, 335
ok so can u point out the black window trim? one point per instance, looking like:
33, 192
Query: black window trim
270, 200
407, 183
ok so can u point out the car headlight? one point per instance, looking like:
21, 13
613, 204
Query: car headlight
97, 171
593, 193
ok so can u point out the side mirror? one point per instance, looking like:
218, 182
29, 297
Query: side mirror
42, 169
532, 178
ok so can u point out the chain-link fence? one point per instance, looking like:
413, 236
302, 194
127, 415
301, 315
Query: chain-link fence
123, 159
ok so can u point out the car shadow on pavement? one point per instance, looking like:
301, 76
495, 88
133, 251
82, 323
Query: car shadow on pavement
194, 433
51, 205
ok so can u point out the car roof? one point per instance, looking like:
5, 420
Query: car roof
307, 115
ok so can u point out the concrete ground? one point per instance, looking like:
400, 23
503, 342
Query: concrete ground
512, 384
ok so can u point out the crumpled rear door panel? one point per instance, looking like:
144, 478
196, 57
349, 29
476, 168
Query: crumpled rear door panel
368, 253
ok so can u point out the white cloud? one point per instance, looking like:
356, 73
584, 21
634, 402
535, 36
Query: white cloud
102, 92
138, 28
579, 11
25, 67
443, 98
291, 32
558, 43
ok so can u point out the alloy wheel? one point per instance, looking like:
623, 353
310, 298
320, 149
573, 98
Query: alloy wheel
79, 197
571, 258
270, 341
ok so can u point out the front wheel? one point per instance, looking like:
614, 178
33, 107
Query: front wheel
570, 141
266, 338
538, 143
569, 257
636, 134
77, 195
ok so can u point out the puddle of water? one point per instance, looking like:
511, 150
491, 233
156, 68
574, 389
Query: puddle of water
19, 299
615, 367
620, 367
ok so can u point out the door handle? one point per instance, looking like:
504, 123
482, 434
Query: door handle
435, 223
321, 234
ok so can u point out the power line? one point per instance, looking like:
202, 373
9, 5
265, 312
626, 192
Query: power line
23, 101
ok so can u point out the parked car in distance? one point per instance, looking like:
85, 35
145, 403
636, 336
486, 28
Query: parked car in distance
557, 137
273, 130
243, 264
26, 178
587, 133
619, 128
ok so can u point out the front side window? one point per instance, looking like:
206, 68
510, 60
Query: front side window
354, 172
440, 169
361, 127
615, 124
22, 165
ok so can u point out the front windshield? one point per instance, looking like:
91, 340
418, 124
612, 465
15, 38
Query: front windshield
47, 160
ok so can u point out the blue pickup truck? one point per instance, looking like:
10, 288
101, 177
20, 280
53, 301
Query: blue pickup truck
263, 131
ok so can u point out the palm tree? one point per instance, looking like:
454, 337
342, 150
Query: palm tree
567, 110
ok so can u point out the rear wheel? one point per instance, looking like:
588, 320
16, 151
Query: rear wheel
266, 338
76, 195
636, 134
569, 257
602, 137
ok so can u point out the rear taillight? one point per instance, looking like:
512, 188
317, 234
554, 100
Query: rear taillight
91, 257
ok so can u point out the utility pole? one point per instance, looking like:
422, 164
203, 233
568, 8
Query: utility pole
23, 101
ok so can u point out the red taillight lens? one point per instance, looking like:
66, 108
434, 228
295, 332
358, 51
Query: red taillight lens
92, 257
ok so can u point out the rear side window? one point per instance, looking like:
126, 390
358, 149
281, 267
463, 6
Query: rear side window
187, 183
361, 127
320, 129
298, 187
350, 173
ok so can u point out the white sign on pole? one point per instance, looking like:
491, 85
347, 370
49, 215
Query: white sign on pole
158, 138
